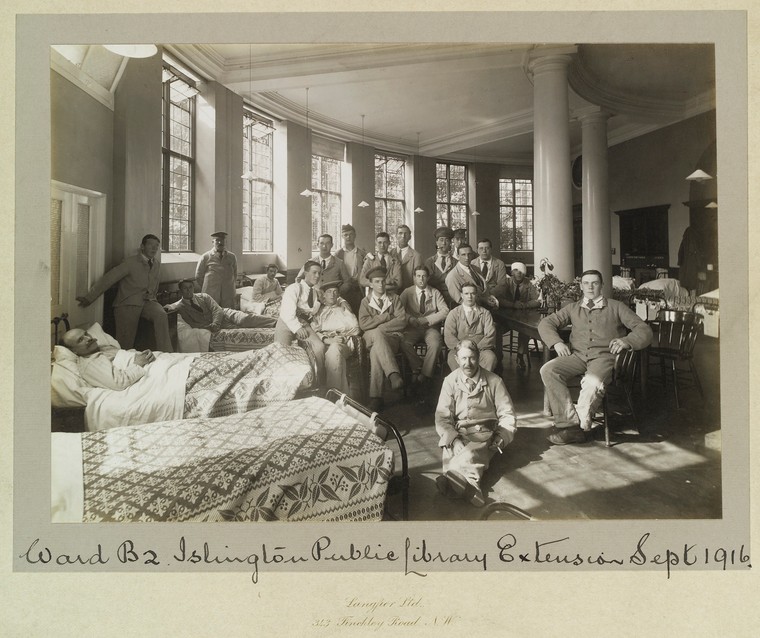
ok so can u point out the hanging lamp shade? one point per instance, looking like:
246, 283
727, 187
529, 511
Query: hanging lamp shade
699, 176
712, 205
132, 50
419, 210
307, 192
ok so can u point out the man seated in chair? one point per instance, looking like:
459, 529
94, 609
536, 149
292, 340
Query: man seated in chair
95, 362
520, 294
474, 418
300, 302
470, 321
382, 318
599, 327
334, 323
199, 310
267, 288
426, 310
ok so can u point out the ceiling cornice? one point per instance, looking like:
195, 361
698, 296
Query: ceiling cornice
593, 89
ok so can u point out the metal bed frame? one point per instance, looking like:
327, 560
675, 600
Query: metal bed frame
397, 483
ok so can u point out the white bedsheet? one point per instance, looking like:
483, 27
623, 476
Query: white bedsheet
158, 396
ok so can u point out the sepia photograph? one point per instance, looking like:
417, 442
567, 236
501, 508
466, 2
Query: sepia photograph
421, 294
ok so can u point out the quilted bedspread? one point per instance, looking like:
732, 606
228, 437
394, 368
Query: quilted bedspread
305, 460
239, 339
222, 383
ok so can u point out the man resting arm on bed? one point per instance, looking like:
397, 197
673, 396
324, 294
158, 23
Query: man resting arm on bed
96, 365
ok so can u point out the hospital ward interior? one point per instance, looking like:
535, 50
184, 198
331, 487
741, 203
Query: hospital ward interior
384, 282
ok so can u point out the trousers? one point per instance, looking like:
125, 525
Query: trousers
595, 374
433, 341
283, 335
383, 348
127, 318
471, 462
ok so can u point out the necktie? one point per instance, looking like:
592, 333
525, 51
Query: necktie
382, 262
443, 264
590, 304
310, 301
150, 264
485, 269
422, 302
517, 292
470, 384
195, 306
323, 265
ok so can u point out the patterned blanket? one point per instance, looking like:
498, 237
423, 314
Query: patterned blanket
220, 383
305, 460
240, 339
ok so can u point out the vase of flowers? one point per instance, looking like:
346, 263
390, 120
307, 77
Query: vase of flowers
554, 292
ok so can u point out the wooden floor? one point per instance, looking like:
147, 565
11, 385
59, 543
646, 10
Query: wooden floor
670, 469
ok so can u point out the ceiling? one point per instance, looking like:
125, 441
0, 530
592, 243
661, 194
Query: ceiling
465, 102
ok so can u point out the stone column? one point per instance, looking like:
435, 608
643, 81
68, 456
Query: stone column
552, 194
597, 242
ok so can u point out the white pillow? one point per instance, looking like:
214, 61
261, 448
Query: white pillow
66, 386
247, 304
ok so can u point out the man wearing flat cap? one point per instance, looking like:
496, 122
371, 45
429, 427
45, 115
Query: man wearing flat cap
216, 272
520, 294
441, 264
382, 318
334, 323
353, 258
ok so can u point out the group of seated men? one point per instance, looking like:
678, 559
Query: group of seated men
407, 300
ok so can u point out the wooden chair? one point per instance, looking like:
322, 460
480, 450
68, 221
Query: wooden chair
621, 386
674, 342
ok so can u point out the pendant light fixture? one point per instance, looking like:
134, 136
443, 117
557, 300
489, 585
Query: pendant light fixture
363, 204
475, 213
132, 50
418, 209
306, 192
699, 176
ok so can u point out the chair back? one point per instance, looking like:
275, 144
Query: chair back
624, 373
678, 331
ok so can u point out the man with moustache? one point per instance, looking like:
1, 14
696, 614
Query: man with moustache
474, 419
216, 272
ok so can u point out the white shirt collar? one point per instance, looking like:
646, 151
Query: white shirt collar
598, 302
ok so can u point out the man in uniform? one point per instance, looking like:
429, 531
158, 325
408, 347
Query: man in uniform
216, 272
382, 259
470, 321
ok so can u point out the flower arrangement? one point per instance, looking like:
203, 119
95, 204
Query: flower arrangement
553, 289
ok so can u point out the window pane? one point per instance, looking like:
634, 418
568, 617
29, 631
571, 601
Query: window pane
516, 214
258, 190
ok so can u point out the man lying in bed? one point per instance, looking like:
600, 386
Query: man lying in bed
120, 387
95, 363
199, 310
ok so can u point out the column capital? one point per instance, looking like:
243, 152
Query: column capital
548, 59
592, 115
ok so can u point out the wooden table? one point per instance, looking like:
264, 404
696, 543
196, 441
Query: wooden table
525, 322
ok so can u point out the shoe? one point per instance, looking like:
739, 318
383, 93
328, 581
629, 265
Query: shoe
563, 436
376, 404
444, 487
396, 381
462, 487
520, 362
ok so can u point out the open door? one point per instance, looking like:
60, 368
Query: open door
77, 250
